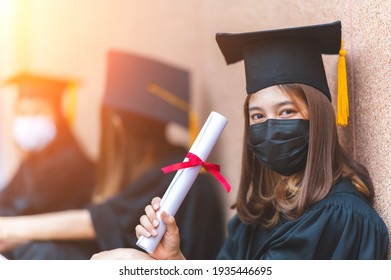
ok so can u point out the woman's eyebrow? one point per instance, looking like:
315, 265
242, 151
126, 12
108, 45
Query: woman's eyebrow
287, 102
283, 103
254, 108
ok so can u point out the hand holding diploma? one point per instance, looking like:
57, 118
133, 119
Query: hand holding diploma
187, 172
167, 249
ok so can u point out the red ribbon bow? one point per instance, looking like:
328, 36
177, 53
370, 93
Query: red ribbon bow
194, 160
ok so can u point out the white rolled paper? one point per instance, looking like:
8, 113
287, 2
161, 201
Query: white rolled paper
184, 178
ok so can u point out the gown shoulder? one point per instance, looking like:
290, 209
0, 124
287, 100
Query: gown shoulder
341, 226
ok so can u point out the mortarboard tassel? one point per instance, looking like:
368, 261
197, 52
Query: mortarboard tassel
343, 100
70, 105
194, 130
175, 101
193, 126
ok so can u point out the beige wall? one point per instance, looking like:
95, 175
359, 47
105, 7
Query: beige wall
71, 37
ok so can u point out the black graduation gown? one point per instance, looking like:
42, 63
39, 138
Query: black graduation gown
58, 178
341, 226
200, 219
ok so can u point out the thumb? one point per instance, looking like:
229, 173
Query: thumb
170, 223
170, 243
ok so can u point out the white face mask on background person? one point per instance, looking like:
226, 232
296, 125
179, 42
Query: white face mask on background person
33, 133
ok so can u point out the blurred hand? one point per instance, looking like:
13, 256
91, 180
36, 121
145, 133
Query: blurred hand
122, 254
7, 240
169, 246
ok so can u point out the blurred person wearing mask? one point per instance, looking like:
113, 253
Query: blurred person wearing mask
142, 99
54, 173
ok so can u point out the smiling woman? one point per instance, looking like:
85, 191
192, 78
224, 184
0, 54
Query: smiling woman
301, 196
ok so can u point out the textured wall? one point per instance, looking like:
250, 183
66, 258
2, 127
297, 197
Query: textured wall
71, 37
371, 88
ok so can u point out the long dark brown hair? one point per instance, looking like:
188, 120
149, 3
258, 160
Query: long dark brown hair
264, 195
129, 145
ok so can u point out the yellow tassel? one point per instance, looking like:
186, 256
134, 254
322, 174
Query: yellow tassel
193, 130
193, 127
176, 102
343, 100
70, 104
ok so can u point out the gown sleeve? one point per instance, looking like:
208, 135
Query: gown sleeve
114, 220
234, 244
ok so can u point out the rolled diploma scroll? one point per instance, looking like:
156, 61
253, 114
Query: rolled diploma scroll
184, 178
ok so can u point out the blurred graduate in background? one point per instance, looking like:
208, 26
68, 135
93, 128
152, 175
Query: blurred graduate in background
142, 97
54, 173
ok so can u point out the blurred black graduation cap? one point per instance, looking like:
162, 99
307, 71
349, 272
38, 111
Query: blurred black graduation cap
281, 56
147, 87
47, 87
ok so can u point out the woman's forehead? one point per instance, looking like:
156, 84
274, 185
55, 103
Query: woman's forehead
33, 105
270, 95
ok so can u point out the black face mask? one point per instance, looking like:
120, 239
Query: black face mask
281, 145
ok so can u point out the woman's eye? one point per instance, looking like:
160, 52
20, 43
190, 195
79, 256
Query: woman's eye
255, 117
288, 112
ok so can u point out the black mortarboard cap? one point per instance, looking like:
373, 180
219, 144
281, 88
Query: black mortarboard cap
39, 86
148, 87
47, 87
281, 56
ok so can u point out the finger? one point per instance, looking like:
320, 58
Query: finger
151, 214
141, 231
170, 222
146, 223
156, 203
